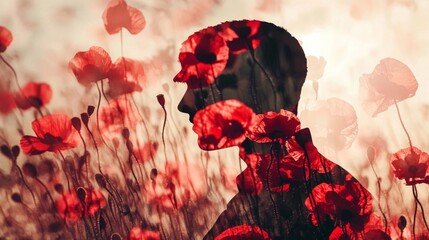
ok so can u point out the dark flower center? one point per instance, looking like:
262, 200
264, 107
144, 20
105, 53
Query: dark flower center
412, 169
243, 32
233, 129
205, 57
50, 140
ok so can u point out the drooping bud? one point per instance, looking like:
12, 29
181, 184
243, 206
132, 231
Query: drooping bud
101, 181
16, 197
126, 133
90, 110
76, 123
153, 174
15, 151
85, 118
115, 236
81, 194
59, 188
29, 170
402, 223
161, 100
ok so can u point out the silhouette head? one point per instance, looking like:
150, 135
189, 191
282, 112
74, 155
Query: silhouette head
258, 63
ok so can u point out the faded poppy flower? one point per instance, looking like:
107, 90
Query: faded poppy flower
243, 232
316, 67
119, 15
300, 146
274, 127
333, 123
7, 103
203, 57
5, 38
54, 133
137, 233
147, 151
33, 95
176, 186
241, 35
350, 204
126, 76
120, 113
90, 66
390, 81
411, 164
71, 208
223, 124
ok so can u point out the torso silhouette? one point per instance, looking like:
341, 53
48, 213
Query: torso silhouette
288, 190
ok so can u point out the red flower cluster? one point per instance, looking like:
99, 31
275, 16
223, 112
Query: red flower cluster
243, 232
5, 38
391, 81
411, 164
241, 35
274, 127
118, 15
54, 133
72, 207
125, 75
223, 124
203, 57
351, 204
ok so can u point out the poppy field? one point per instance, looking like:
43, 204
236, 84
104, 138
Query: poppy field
214, 119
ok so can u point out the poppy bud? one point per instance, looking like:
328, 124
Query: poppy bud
6, 151
85, 118
16, 197
126, 133
370, 152
81, 194
161, 100
153, 174
76, 123
402, 223
90, 110
29, 170
101, 181
59, 188
15, 151
115, 236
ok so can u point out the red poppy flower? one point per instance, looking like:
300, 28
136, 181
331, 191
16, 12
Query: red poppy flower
176, 186
137, 233
71, 208
243, 232
350, 204
390, 81
333, 123
120, 113
90, 66
126, 76
274, 127
34, 95
7, 103
241, 35
223, 124
119, 15
411, 164
5, 38
203, 57
300, 147
54, 133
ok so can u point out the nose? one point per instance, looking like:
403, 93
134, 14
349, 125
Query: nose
187, 104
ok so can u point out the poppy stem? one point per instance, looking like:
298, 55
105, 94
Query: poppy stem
19, 86
122, 43
402, 123
415, 194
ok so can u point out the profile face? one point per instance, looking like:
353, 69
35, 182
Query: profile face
254, 62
